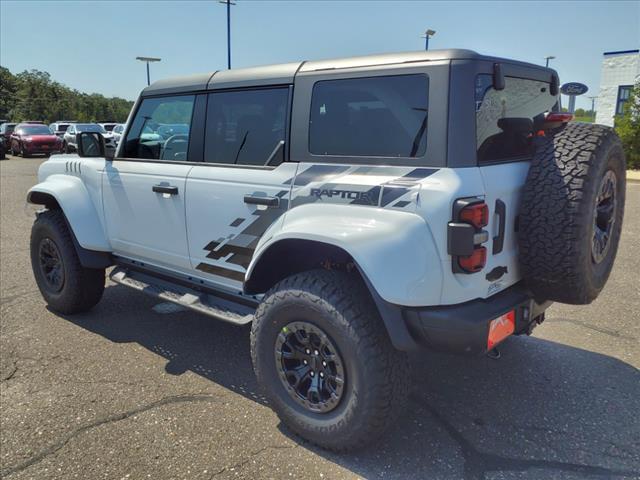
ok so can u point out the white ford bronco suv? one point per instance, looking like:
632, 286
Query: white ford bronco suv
352, 210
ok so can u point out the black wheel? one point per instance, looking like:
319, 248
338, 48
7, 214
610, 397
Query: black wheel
23, 152
65, 284
67, 148
323, 357
571, 213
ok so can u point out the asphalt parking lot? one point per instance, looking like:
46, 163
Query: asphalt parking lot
135, 390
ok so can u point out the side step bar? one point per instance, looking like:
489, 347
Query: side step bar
206, 303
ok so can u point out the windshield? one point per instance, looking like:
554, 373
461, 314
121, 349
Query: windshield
109, 126
62, 127
89, 127
35, 130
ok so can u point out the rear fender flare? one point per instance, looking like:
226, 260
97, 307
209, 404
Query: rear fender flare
394, 250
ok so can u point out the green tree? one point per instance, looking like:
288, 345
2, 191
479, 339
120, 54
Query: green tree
628, 128
33, 95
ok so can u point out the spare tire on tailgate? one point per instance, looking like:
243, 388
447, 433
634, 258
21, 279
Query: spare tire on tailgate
571, 213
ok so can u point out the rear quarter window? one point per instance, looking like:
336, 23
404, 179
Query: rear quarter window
370, 117
506, 120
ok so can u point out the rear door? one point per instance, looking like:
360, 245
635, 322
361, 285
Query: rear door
243, 186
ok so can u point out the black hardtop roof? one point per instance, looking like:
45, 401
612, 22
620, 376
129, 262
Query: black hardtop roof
281, 74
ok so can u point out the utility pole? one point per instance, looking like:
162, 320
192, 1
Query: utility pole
550, 57
593, 107
148, 60
427, 34
228, 3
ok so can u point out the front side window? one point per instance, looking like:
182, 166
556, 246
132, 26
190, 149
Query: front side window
246, 127
148, 139
370, 117
624, 92
507, 119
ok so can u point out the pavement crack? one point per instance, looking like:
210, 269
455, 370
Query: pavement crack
12, 372
250, 457
477, 463
52, 449
604, 331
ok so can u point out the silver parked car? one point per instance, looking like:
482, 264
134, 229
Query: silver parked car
69, 138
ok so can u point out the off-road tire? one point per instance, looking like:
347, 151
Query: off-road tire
377, 375
557, 214
82, 287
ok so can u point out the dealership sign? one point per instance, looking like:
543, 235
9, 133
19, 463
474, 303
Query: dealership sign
574, 88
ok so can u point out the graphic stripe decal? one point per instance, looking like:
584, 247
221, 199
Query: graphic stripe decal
223, 272
241, 247
316, 173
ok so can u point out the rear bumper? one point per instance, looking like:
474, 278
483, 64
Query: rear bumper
464, 328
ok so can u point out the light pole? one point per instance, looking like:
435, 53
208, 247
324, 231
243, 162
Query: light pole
228, 3
427, 34
148, 60
550, 57
593, 107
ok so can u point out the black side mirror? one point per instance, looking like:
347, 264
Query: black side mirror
90, 144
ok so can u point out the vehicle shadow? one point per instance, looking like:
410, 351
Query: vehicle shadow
543, 410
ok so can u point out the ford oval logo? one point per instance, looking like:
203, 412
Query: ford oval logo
574, 88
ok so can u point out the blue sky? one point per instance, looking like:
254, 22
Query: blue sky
92, 46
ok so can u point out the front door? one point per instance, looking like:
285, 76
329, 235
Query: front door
243, 186
144, 188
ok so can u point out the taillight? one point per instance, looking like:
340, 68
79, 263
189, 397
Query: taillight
465, 235
555, 120
474, 262
476, 214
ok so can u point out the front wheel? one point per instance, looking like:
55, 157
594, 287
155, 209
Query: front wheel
65, 284
323, 357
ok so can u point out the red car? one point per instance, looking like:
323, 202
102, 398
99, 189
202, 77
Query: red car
29, 138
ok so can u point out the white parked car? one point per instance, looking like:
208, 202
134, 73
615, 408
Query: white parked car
69, 139
108, 126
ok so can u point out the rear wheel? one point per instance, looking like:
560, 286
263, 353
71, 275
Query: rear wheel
322, 354
571, 214
65, 284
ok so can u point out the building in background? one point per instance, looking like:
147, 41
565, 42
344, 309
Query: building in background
620, 71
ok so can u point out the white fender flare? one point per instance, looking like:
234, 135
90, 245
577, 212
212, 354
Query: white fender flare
75, 201
395, 250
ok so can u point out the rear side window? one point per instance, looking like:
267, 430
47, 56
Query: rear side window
160, 129
246, 127
370, 117
507, 119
